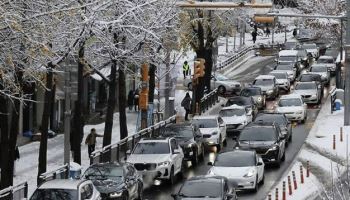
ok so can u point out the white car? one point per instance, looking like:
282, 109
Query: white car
236, 117
293, 107
290, 69
311, 48
282, 79
243, 168
308, 91
66, 189
157, 158
328, 61
213, 129
322, 70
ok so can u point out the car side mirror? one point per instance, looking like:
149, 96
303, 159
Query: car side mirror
128, 152
210, 163
282, 137
259, 163
176, 151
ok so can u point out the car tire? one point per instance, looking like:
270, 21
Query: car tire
262, 180
225, 142
255, 190
195, 159
189, 86
202, 154
172, 176
221, 90
290, 138
140, 193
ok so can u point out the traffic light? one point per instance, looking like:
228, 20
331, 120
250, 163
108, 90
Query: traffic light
199, 68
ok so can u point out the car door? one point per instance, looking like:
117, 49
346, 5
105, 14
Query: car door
222, 127
176, 157
281, 140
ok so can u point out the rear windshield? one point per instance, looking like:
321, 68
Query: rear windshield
238, 101
201, 189
284, 67
279, 75
308, 78
55, 194
205, 123
289, 102
258, 134
309, 46
318, 69
152, 148
325, 60
178, 131
233, 159
232, 112
305, 86
248, 92
279, 119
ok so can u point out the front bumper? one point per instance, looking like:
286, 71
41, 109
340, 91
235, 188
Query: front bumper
242, 183
160, 172
212, 140
294, 116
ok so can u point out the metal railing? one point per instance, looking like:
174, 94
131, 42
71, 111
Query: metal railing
17, 192
118, 151
59, 173
208, 101
234, 57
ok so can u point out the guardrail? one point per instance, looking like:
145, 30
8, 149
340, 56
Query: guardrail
117, 151
59, 173
17, 192
234, 57
208, 101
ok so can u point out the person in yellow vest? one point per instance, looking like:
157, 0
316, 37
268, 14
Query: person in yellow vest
185, 69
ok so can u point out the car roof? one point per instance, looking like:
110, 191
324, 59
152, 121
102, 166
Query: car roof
260, 124
288, 53
61, 184
319, 65
305, 83
291, 96
234, 106
309, 74
206, 117
265, 77
326, 57
218, 179
247, 152
158, 139
179, 125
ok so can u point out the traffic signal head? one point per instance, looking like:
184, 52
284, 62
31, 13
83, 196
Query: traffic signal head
199, 68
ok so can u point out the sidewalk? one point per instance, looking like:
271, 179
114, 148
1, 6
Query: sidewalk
327, 165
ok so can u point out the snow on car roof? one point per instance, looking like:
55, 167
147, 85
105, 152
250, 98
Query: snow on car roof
288, 53
265, 77
61, 184
278, 72
234, 106
325, 57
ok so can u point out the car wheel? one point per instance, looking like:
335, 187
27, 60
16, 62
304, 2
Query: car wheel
225, 142
189, 86
290, 138
255, 190
221, 89
172, 176
263, 180
140, 196
283, 157
195, 159
218, 146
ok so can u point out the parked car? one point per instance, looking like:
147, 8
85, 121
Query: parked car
206, 187
312, 49
157, 158
243, 168
293, 107
322, 70
282, 80
257, 94
281, 120
290, 69
268, 85
189, 138
66, 189
115, 181
309, 77
213, 129
266, 139
247, 102
308, 91
290, 57
329, 61
235, 118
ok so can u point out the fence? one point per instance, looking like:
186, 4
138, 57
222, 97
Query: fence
233, 58
17, 192
208, 101
117, 151
59, 173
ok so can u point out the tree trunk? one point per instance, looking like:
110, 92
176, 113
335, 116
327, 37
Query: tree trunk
122, 103
152, 82
5, 157
45, 122
13, 137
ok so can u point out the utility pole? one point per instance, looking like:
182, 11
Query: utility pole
143, 101
67, 114
347, 69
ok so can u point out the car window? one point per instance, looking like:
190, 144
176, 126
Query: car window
178, 131
287, 58
86, 191
247, 92
54, 194
173, 145
232, 112
98, 172
305, 86
318, 69
325, 60
234, 159
279, 119
152, 148
290, 102
264, 82
258, 134
279, 75
205, 123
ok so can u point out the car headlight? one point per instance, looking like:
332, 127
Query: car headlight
269, 91
116, 194
250, 173
259, 99
166, 163
214, 133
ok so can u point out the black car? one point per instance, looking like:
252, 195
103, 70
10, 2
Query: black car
266, 139
281, 120
206, 187
189, 138
257, 94
313, 77
115, 181
247, 102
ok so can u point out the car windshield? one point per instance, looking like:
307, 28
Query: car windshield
305, 86
289, 102
238, 101
178, 132
205, 123
287, 59
247, 92
318, 69
233, 159
220, 77
232, 112
104, 172
201, 188
309, 46
279, 119
290, 45
280, 75
258, 134
284, 67
325, 60
263, 82
308, 78
152, 148
55, 194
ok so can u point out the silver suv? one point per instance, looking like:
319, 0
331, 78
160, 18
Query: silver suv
268, 85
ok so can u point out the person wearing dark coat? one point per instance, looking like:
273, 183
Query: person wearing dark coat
267, 32
186, 103
136, 100
130, 99
254, 34
295, 32
91, 140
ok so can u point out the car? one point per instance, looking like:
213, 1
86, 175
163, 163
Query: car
243, 168
206, 187
235, 118
213, 129
308, 91
282, 79
268, 85
281, 120
333, 52
322, 70
290, 45
305, 58
312, 49
306, 35
329, 61
290, 57
115, 180
310, 77
266, 139
189, 138
293, 107
247, 102
157, 158
290, 69
257, 94
66, 189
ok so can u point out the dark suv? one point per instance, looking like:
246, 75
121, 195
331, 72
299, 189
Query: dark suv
266, 139
189, 138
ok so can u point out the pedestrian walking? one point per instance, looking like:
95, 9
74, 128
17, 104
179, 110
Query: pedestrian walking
254, 34
136, 100
130, 99
91, 140
268, 32
185, 69
295, 32
16, 159
186, 103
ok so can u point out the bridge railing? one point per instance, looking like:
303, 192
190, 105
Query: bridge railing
17, 192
